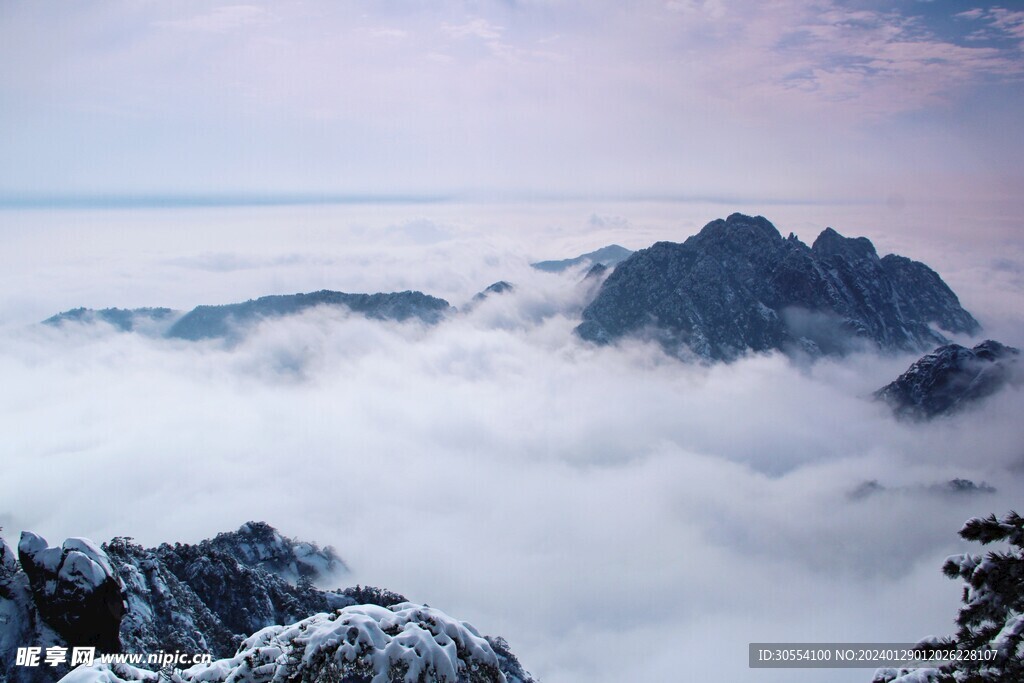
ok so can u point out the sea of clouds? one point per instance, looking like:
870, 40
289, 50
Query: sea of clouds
614, 513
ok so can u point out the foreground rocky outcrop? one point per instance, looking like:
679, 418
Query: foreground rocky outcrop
53, 596
739, 286
951, 378
75, 590
240, 597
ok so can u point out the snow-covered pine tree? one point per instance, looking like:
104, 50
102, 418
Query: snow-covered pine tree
993, 613
992, 617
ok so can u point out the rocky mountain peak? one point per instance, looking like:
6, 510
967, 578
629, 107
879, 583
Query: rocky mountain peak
992, 350
739, 286
608, 256
831, 243
257, 544
738, 231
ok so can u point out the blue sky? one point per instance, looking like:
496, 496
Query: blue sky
781, 100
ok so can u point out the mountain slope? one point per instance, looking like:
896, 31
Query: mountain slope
739, 286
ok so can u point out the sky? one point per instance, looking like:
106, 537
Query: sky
811, 100
614, 513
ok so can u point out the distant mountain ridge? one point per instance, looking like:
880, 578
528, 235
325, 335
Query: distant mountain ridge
951, 378
609, 256
226, 320
735, 287
739, 286
125, 319
205, 322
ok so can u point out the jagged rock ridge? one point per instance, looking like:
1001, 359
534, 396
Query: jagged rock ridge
951, 378
739, 286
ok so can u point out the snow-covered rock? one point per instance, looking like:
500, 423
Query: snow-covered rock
916, 675
75, 590
405, 643
55, 597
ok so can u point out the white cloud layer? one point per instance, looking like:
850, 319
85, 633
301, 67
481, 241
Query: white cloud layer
612, 512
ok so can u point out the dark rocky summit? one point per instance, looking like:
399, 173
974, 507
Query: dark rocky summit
739, 286
609, 256
951, 378
209, 597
